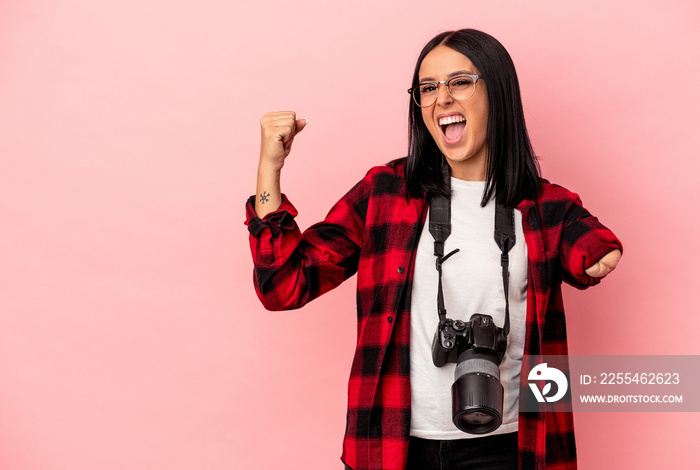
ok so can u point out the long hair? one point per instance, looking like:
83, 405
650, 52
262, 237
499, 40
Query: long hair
512, 170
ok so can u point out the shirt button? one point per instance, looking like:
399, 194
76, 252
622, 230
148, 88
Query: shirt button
400, 270
390, 319
415, 225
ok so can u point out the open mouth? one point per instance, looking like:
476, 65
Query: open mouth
452, 127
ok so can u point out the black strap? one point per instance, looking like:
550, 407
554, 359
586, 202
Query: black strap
440, 217
440, 227
504, 234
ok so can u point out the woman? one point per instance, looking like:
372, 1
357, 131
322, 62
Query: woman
466, 113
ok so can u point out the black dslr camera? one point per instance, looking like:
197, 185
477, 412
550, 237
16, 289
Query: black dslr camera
478, 348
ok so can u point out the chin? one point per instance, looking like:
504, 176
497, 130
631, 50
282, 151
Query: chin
456, 155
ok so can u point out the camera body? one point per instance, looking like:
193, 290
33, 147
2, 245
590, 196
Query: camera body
455, 337
477, 347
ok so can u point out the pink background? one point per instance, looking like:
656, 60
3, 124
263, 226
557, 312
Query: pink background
130, 334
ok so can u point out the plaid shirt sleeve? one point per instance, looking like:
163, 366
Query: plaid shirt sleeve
584, 240
292, 268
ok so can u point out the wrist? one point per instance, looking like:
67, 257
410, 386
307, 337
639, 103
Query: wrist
268, 192
267, 171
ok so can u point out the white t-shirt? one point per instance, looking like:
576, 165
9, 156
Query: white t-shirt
472, 283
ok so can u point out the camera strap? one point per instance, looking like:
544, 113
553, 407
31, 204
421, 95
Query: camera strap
440, 227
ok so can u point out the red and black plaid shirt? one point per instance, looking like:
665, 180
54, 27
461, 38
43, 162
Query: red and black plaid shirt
373, 230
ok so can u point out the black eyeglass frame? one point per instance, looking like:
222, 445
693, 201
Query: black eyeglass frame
475, 78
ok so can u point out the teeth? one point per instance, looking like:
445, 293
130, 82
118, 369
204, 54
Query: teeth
450, 120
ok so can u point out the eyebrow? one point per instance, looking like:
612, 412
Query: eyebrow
449, 75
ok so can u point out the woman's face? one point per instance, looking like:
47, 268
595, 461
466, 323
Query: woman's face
463, 142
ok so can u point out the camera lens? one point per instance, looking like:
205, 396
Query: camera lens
477, 394
477, 418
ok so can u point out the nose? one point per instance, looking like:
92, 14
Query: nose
444, 97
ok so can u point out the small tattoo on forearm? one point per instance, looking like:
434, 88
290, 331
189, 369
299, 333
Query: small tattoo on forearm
264, 197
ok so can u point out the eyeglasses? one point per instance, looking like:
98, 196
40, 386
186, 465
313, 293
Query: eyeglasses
461, 88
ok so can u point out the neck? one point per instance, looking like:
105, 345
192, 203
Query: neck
468, 171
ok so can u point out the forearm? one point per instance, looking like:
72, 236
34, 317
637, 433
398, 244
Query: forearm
268, 195
277, 131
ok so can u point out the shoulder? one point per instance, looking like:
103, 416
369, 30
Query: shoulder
554, 193
394, 168
379, 182
388, 177
553, 206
